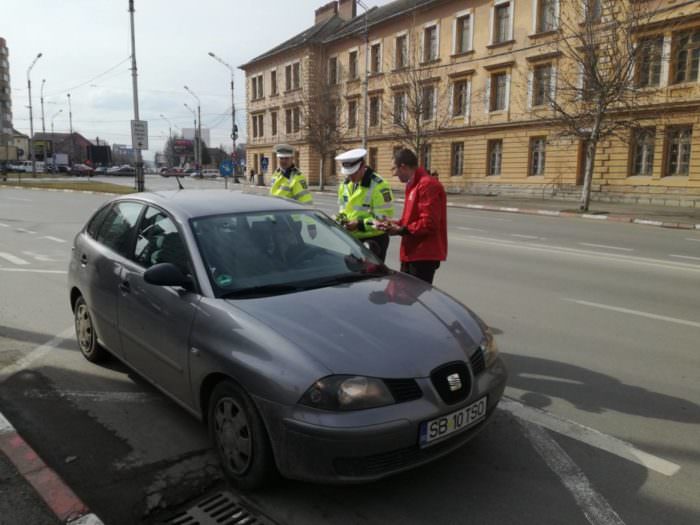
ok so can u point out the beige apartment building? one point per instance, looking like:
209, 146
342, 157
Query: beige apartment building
485, 72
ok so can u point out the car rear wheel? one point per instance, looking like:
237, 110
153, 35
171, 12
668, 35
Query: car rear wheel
85, 333
240, 438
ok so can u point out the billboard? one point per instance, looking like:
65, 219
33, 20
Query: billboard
183, 147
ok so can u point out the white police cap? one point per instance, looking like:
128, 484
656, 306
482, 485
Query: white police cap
284, 150
350, 160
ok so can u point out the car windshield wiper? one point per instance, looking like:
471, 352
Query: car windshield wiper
346, 278
266, 289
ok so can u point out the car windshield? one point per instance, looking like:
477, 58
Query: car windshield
268, 253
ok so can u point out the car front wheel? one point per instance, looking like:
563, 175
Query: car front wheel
240, 438
85, 333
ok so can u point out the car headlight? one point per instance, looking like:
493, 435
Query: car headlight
347, 393
488, 347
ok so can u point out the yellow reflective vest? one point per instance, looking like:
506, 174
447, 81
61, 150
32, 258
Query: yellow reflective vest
369, 200
291, 185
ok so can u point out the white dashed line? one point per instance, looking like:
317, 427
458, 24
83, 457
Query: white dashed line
592, 245
29, 270
687, 238
54, 239
13, 258
466, 228
37, 353
2, 225
24, 230
686, 257
648, 315
520, 236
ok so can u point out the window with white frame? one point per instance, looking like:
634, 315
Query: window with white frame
375, 58
498, 96
258, 126
401, 51
333, 71
273, 82
649, 61
352, 65
463, 34
288, 77
296, 119
460, 98
296, 75
399, 107
273, 123
502, 15
678, 150
547, 15
537, 155
686, 56
542, 78
495, 157
374, 110
431, 43
643, 151
288, 124
428, 102
457, 164
352, 113
257, 89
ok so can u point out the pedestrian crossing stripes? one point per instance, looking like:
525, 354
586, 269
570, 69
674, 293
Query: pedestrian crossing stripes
13, 258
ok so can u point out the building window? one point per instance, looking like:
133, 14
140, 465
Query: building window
686, 59
288, 77
428, 103
258, 129
463, 34
649, 61
501, 22
541, 84
374, 111
547, 11
401, 53
288, 120
460, 98
537, 155
373, 157
430, 43
352, 114
296, 75
643, 152
292, 76
273, 123
352, 65
296, 118
375, 58
678, 161
333, 71
498, 96
426, 156
257, 87
399, 107
457, 159
495, 155
273, 82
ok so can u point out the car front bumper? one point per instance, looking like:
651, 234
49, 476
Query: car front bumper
367, 445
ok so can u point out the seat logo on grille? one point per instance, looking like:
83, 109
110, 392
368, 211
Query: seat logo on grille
455, 382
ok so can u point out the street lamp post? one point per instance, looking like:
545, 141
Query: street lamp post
70, 129
43, 123
31, 119
135, 89
234, 128
365, 81
170, 138
198, 130
53, 139
194, 114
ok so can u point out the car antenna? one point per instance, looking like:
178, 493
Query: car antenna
179, 184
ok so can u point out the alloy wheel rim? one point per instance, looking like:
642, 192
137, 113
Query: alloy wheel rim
233, 435
83, 328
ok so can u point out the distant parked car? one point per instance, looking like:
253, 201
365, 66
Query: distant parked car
82, 169
101, 170
122, 170
210, 173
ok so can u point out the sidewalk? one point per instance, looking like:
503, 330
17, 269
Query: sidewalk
663, 216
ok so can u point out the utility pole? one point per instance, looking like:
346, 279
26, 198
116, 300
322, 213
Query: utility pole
31, 119
43, 123
70, 127
135, 89
198, 130
234, 128
194, 114
170, 137
53, 139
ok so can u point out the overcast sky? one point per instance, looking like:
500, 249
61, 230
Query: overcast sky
86, 48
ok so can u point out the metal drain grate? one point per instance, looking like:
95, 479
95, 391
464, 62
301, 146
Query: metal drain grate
223, 508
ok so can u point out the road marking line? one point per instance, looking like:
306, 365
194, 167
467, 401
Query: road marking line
592, 245
3, 225
594, 506
581, 253
591, 216
465, 228
524, 236
54, 239
590, 436
636, 312
12, 258
686, 257
29, 270
687, 238
24, 230
647, 222
37, 353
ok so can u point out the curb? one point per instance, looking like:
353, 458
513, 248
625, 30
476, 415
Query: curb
67, 507
86, 192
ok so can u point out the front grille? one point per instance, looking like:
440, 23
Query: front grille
403, 389
452, 381
477, 361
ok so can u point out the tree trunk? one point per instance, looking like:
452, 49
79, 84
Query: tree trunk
592, 148
320, 174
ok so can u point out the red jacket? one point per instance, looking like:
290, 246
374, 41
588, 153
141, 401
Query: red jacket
425, 218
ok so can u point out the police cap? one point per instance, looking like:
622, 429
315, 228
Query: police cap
350, 160
284, 150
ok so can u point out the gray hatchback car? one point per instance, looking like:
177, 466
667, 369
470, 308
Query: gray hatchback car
301, 351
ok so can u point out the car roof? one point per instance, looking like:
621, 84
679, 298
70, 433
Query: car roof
188, 204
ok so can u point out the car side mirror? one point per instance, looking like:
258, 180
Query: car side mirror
166, 274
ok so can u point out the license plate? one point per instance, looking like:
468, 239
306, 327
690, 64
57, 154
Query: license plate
440, 427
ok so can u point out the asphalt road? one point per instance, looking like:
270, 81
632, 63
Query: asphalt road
599, 324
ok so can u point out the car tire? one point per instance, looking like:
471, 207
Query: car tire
85, 333
239, 437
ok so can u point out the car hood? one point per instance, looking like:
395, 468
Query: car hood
391, 326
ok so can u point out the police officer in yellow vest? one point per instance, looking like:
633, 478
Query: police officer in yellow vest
364, 200
288, 181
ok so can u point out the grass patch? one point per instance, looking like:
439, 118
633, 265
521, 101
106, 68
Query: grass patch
104, 187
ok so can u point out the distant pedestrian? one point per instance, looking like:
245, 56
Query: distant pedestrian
252, 176
423, 225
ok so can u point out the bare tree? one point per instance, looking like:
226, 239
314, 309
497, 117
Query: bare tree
603, 63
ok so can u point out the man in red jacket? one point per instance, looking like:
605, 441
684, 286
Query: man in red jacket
423, 225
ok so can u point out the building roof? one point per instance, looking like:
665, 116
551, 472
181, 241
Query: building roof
60, 137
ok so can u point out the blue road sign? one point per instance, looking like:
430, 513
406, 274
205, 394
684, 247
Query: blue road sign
264, 163
226, 168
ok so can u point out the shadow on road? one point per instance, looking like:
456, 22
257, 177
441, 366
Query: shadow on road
36, 338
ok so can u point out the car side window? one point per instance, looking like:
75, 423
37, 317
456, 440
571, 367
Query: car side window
118, 227
94, 225
158, 241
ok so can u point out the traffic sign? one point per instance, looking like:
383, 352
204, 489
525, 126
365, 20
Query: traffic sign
226, 168
139, 134
264, 163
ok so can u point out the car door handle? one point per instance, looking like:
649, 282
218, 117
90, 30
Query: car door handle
83, 259
125, 287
